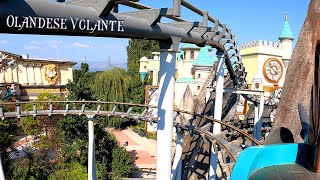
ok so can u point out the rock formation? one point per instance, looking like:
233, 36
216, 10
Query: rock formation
300, 75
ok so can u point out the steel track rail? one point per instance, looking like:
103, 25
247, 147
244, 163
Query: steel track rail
114, 113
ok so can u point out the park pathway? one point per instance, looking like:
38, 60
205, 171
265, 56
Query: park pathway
142, 150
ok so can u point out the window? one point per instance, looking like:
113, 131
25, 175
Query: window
198, 87
145, 67
257, 85
184, 55
192, 71
199, 75
192, 55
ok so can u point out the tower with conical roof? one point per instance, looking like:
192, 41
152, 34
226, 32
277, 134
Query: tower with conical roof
286, 38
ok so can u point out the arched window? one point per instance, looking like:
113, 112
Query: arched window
192, 55
199, 75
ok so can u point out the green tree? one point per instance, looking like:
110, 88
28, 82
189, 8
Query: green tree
8, 128
80, 87
73, 170
112, 85
136, 49
121, 163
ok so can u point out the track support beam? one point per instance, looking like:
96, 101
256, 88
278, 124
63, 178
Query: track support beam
217, 113
165, 107
91, 150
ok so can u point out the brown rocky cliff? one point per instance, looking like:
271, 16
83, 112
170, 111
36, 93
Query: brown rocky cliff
299, 76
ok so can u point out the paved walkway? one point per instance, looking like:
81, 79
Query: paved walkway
143, 150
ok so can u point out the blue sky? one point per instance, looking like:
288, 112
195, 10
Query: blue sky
249, 20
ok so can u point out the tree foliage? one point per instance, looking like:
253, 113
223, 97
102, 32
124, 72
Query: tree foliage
121, 163
80, 87
112, 85
136, 49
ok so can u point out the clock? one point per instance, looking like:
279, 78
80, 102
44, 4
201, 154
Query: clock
273, 70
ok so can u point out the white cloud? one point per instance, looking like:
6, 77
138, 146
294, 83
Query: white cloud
32, 47
55, 43
80, 45
4, 42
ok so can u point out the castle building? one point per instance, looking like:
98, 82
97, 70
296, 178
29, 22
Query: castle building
266, 64
26, 77
268, 61
193, 65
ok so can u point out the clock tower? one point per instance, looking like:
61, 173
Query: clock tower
270, 59
286, 39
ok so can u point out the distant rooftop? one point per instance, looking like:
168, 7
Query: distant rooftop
204, 58
189, 46
27, 58
186, 80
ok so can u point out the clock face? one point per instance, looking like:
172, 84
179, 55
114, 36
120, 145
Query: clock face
272, 70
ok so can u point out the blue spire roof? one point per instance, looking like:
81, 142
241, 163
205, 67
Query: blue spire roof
286, 32
186, 80
204, 58
189, 46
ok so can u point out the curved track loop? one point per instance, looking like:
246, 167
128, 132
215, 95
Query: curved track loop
18, 113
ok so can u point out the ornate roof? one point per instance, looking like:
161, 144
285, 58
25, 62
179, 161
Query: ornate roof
186, 80
286, 32
204, 58
189, 46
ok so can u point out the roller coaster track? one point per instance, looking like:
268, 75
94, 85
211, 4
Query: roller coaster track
144, 23
129, 114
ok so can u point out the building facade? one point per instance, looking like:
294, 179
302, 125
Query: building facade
193, 65
268, 61
266, 64
28, 77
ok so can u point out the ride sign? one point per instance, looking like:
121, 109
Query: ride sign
29, 22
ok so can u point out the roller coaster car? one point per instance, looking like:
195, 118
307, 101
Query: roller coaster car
280, 158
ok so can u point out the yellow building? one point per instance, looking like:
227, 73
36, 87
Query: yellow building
28, 77
268, 61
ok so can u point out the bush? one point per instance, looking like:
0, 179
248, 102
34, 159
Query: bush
121, 163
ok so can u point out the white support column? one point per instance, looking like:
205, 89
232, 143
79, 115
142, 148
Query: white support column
38, 74
15, 75
32, 80
155, 77
259, 124
25, 74
2, 75
256, 121
176, 173
91, 150
217, 113
165, 108
2, 176
10, 74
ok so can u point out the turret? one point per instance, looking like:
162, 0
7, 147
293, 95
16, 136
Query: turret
143, 72
286, 38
